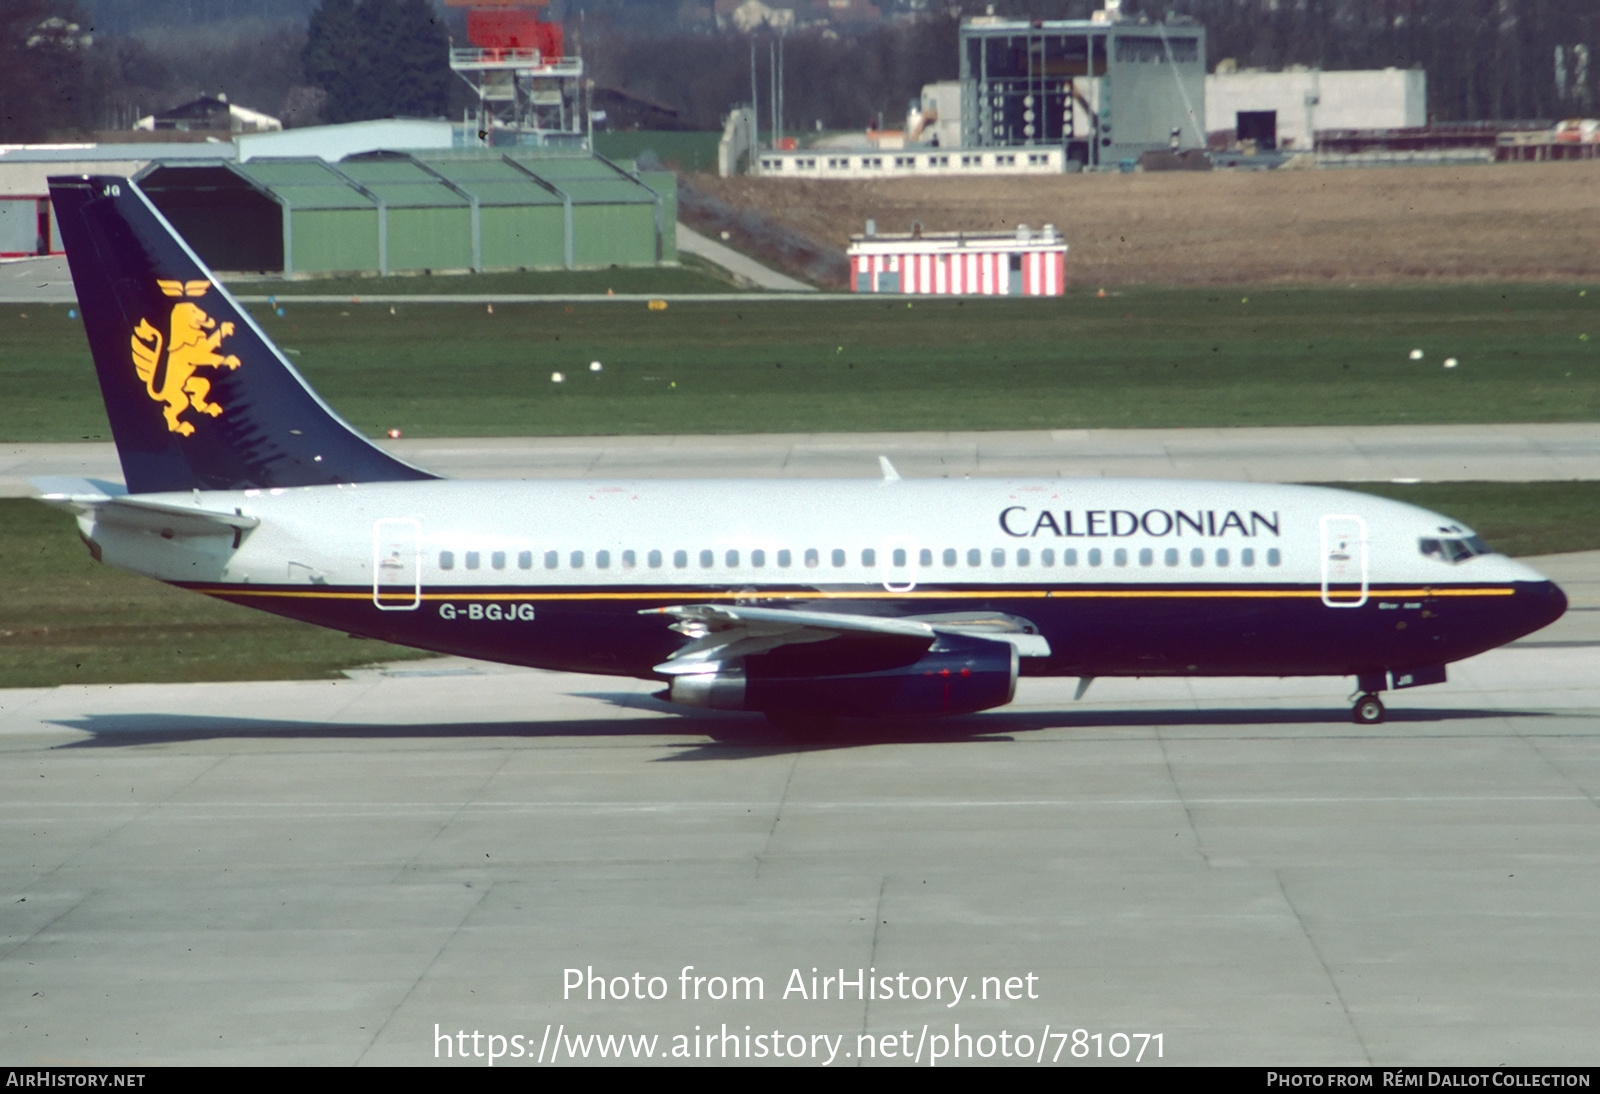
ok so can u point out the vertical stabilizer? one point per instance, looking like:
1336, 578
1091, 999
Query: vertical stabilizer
197, 394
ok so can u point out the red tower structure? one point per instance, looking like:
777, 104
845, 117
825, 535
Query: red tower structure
529, 91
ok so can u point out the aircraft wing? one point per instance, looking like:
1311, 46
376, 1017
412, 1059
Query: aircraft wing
722, 634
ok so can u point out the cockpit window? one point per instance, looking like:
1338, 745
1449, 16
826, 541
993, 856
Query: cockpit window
1453, 549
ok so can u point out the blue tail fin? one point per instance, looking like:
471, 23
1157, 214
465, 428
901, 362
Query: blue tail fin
198, 396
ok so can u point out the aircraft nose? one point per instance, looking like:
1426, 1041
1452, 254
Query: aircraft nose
1539, 604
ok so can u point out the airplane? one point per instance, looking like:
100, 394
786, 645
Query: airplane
807, 601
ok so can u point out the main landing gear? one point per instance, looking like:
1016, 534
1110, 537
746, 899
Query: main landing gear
1368, 710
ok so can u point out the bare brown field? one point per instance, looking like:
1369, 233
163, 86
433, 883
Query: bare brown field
1510, 222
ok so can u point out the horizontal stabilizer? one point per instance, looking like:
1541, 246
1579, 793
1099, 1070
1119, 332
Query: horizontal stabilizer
87, 497
53, 487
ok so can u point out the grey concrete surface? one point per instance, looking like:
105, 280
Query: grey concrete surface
740, 265
36, 281
1578, 574
1432, 453
337, 872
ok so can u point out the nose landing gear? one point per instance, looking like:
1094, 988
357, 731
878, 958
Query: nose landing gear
1368, 710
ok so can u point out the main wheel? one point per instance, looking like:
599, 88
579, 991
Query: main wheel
1368, 710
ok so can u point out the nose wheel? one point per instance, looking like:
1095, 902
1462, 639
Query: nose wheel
1368, 710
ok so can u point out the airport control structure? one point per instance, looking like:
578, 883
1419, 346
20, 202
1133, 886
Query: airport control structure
528, 91
1019, 263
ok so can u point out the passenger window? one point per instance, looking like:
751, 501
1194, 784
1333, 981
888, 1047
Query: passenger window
1023, 557
974, 557
1146, 556
1247, 557
949, 556
1069, 557
654, 559
1171, 556
924, 557
998, 556
629, 560
812, 558
447, 560
1222, 556
784, 558
680, 559
1197, 557
551, 560
472, 560
602, 559
869, 557
732, 558
1047, 557
577, 560
708, 559
498, 560
1120, 556
524, 560
758, 558
1273, 557
899, 557
1094, 556
838, 557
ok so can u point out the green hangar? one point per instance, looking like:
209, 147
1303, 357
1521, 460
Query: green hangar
399, 212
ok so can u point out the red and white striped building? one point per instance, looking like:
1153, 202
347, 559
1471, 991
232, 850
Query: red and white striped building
1020, 263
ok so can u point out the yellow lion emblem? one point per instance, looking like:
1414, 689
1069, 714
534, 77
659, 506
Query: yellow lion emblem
190, 346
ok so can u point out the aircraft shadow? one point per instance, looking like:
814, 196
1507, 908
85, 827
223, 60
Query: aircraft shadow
730, 734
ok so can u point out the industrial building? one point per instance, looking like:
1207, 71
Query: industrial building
1051, 95
1019, 263
395, 212
332, 199
25, 227
854, 164
25, 169
517, 189
1280, 111
1103, 90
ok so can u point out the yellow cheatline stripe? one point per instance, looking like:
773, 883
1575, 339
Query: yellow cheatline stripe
874, 594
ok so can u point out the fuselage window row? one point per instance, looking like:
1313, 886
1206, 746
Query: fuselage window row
1222, 557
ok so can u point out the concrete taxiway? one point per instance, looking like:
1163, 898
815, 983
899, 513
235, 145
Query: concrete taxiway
1430, 453
343, 872
36, 281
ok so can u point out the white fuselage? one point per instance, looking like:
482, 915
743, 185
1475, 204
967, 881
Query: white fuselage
488, 567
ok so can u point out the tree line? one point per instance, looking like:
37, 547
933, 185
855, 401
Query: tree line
342, 60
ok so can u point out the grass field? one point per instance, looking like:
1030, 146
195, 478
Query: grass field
1139, 357
65, 619
68, 620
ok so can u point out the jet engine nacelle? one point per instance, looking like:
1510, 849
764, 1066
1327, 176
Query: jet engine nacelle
958, 675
